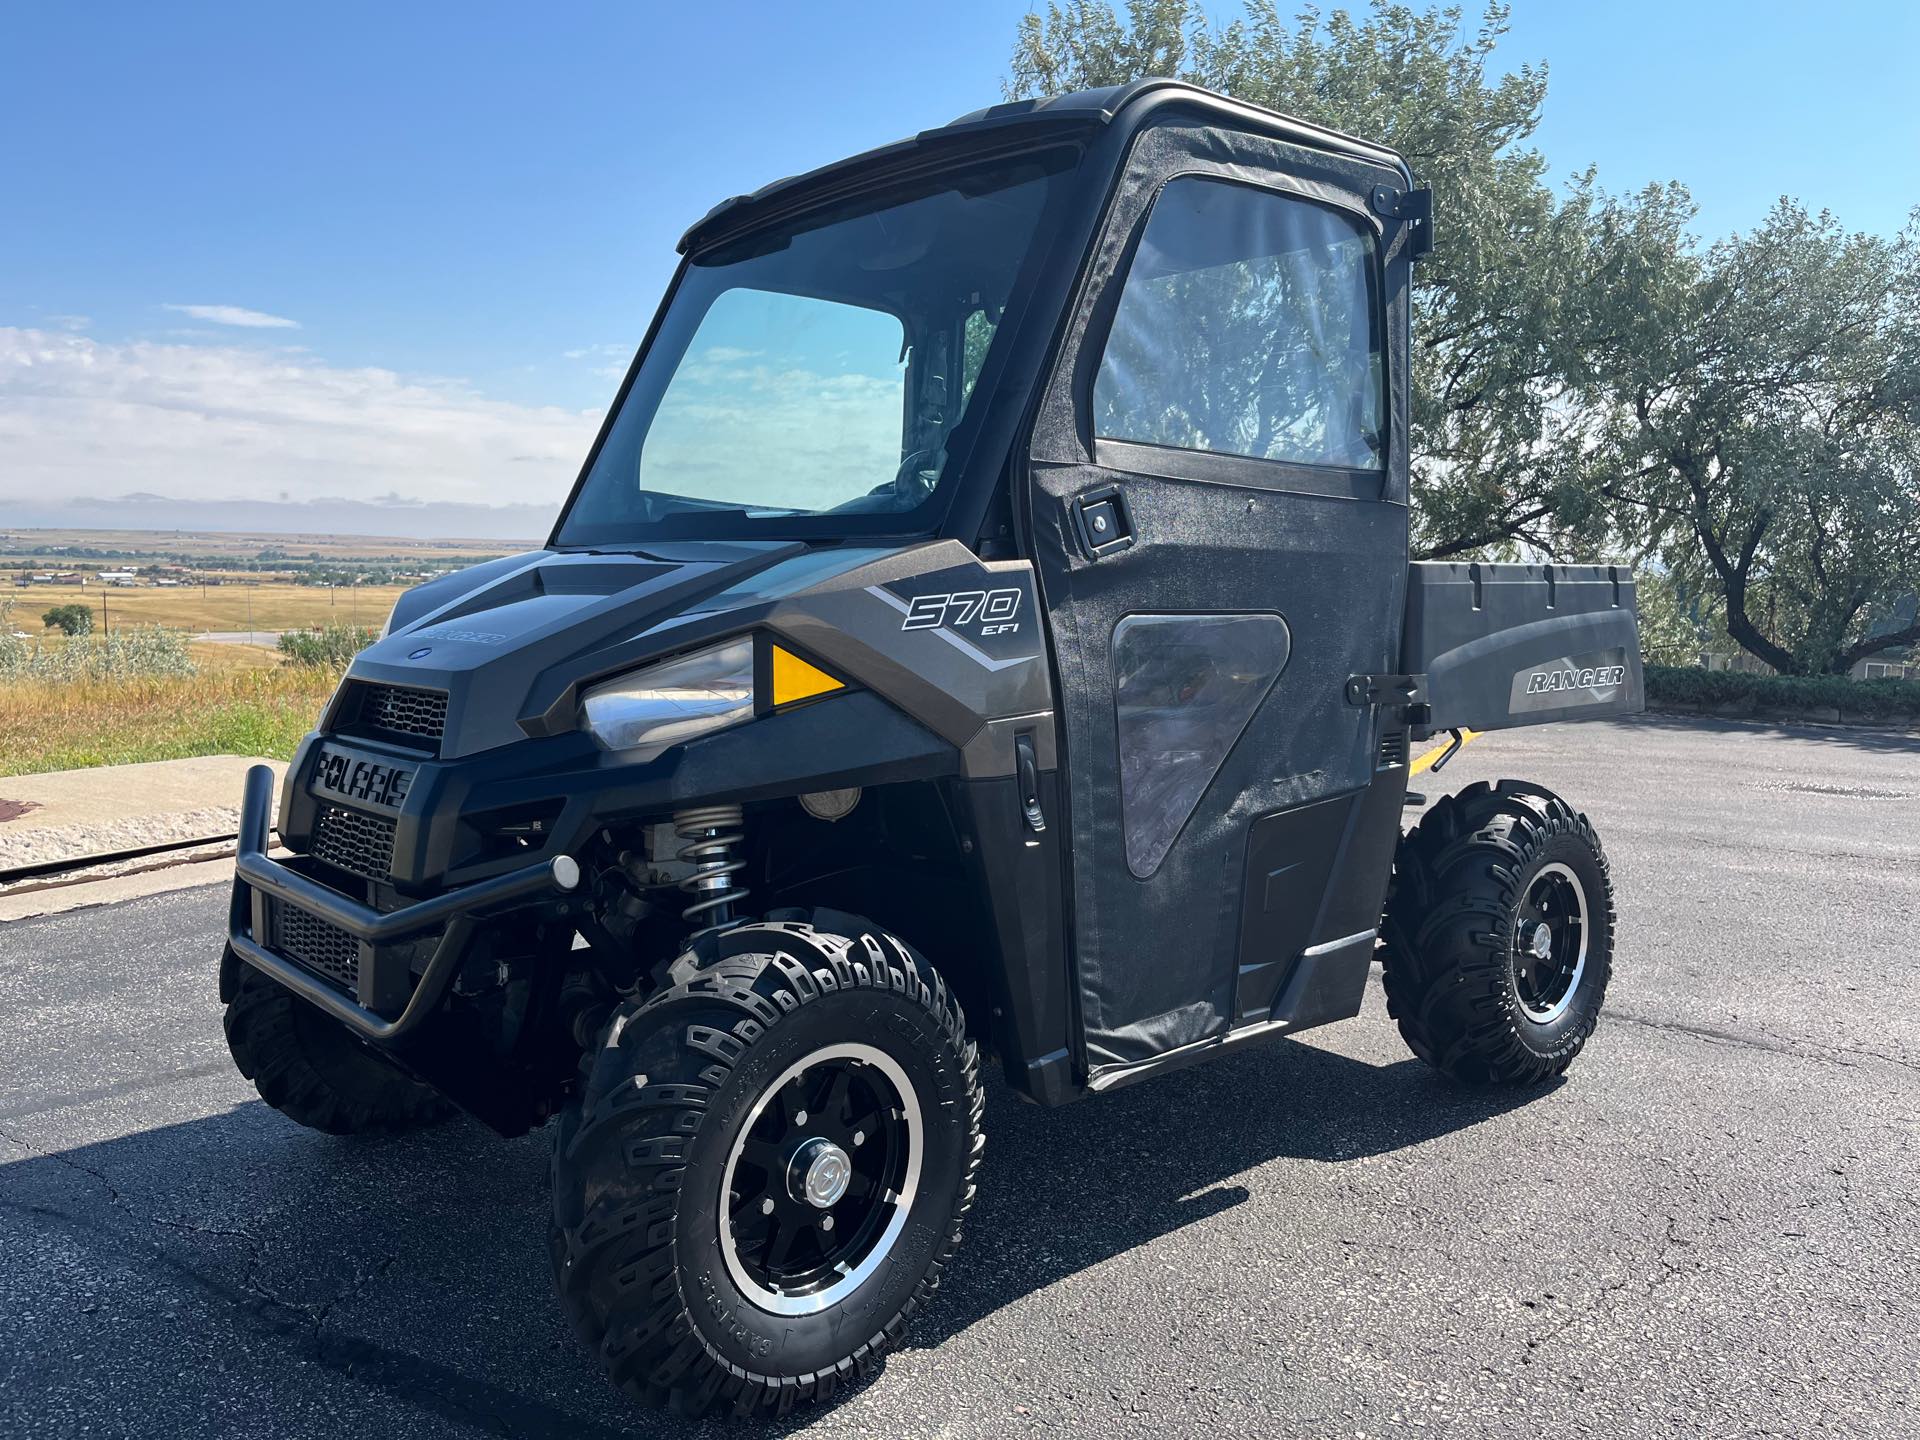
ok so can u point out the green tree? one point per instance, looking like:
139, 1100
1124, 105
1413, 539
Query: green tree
72, 619
1521, 287
1763, 432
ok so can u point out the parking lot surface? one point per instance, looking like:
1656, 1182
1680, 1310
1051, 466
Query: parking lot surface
1709, 1226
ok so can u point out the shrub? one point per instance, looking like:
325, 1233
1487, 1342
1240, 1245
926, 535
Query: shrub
72, 619
330, 646
1783, 694
145, 653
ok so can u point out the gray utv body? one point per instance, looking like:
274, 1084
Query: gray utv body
1116, 867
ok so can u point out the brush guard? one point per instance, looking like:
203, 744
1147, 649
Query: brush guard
385, 977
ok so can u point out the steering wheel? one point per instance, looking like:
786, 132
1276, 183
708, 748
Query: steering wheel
913, 482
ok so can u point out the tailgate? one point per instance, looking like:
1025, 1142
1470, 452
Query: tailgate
1507, 645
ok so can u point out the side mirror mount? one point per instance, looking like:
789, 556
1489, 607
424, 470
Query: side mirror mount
1413, 209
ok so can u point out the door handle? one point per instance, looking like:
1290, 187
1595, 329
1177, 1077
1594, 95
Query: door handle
1104, 521
1027, 769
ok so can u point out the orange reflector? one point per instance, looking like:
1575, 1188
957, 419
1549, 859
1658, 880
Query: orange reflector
794, 679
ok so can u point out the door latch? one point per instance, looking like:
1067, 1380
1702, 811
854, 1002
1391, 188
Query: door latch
1103, 520
1406, 693
1027, 769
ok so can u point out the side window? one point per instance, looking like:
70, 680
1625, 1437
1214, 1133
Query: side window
1248, 326
1184, 688
977, 336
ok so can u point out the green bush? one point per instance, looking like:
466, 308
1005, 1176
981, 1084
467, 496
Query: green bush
73, 619
331, 646
144, 653
1783, 694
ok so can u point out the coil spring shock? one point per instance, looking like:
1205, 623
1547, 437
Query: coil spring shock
711, 832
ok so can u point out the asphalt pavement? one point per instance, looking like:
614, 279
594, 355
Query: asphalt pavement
1710, 1226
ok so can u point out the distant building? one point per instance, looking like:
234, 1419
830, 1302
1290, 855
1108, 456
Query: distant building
1896, 663
1738, 661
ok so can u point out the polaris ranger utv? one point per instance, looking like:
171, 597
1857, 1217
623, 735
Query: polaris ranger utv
983, 624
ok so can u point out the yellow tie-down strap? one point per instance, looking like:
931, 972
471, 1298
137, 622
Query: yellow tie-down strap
1427, 761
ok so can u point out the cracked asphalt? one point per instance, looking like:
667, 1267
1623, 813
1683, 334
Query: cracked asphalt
1710, 1226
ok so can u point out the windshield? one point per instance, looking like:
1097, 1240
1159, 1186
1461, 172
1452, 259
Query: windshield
813, 380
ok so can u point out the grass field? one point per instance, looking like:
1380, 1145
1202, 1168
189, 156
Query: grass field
230, 708
206, 549
265, 607
243, 700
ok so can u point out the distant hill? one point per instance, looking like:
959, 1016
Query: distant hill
289, 557
436, 520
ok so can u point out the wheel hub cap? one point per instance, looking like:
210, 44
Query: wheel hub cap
820, 1173
1549, 954
823, 1173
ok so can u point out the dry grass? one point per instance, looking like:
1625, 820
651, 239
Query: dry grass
217, 658
216, 607
235, 711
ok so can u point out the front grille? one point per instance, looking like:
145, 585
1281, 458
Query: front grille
354, 841
402, 710
1393, 749
325, 949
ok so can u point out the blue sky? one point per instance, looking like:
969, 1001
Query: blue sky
468, 212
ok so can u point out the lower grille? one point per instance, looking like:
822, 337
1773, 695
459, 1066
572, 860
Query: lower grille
354, 841
325, 949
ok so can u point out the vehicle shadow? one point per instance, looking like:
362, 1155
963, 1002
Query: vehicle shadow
407, 1280
1065, 1190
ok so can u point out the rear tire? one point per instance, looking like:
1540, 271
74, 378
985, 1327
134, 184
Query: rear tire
1499, 934
307, 1066
691, 1249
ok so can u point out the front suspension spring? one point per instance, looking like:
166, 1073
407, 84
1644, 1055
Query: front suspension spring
711, 833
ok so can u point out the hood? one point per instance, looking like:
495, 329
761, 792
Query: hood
510, 641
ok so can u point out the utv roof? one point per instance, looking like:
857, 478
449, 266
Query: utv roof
1016, 125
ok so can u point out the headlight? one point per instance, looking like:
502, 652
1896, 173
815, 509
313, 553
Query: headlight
678, 700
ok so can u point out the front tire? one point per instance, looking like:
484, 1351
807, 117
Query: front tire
307, 1066
1499, 934
768, 1169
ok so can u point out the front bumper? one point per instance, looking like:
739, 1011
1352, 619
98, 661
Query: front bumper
388, 1003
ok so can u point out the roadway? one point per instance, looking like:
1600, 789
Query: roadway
1710, 1226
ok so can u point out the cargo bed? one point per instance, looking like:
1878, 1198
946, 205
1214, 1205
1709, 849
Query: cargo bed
1507, 645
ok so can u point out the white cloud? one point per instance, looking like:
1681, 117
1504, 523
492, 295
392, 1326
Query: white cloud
70, 322
765, 435
82, 417
236, 315
609, 361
